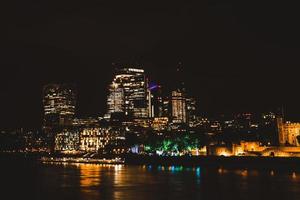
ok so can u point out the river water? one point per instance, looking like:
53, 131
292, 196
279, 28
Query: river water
91, 181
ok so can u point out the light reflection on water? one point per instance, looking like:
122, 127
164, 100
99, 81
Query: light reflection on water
125, 177
92, 181
90, 178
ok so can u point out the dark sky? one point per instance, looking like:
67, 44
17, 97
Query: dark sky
237, 55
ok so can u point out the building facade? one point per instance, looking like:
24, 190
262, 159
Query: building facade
156, 109
59, 105
178, 101
115, 99
128, 93
67, 141
93, 139
288, 133
102, 140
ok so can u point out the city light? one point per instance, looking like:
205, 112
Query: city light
143, 119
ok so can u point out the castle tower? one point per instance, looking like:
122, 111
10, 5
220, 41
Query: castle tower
281, 131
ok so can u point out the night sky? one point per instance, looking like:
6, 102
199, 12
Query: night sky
237, 55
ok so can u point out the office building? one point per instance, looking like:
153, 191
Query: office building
59, 105
115, 99
157, 99
178, 101
128, 94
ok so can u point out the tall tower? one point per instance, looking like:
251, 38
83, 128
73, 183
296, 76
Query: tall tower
128, 93
178, 98
155, 92
115, 99
281, 131
59, 103
191, 111
281, 127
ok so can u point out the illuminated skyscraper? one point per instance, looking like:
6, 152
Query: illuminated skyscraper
155, 92
115, 99
166, 107
178, 100
128, 93
59, 101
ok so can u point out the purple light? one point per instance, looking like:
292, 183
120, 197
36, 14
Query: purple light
153, 86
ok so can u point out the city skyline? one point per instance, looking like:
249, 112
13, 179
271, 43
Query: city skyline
94, 111
232, 62
150, 100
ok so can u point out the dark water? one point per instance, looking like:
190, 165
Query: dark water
20, 180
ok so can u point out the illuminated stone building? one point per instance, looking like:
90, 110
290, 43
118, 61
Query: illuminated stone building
288, 136
179, 114
253, 148
288, 133
219, 150
102, 140
128, 93
67, 141
93, 139
59, 103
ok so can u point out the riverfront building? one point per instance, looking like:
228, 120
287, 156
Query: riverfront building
102, 140
289, 133
67, 141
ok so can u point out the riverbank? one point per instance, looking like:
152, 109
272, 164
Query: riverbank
211, 161
114, 161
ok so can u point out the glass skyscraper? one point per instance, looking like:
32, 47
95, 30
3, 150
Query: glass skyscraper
179, 114
59, 103
178, 98
115, 99
128, 93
